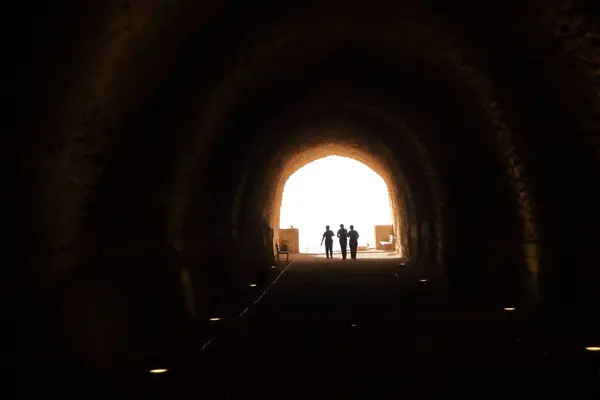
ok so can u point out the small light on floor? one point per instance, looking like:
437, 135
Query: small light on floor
353, 325
509, 309
158, 371
424, 280
593, 348
253, 285
215, 319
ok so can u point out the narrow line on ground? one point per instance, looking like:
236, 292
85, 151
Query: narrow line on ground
274, 281
211, 340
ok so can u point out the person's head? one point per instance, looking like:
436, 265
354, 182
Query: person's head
351, 227
327, 227
342, 226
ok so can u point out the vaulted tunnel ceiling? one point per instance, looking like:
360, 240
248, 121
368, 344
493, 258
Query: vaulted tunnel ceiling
154, 123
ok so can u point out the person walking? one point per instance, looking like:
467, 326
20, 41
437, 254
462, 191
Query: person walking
353, 235
328, 238
342, 234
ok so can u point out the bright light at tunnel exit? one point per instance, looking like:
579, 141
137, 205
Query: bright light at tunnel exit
332, 191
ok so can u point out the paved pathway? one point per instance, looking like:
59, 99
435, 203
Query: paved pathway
368, 328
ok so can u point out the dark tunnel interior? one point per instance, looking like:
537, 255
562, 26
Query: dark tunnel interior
152, 140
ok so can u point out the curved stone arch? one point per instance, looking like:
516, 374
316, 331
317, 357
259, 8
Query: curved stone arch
205, 139
324, 139
96, 100
418, 145
303, 157
355, 136
447, 57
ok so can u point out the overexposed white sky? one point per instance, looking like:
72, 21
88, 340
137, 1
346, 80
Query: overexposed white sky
332, 191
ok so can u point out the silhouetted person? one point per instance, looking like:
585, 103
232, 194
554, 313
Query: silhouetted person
353, 235
342, 233
328, 238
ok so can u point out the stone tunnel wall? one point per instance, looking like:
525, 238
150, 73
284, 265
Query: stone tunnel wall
148, 141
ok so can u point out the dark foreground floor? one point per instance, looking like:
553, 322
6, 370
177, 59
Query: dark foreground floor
369, 329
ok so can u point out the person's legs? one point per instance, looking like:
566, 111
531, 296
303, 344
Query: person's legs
329, 248
344, 247
353, 247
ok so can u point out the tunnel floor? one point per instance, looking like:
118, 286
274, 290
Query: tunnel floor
365, 328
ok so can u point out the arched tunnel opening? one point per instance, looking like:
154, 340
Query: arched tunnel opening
339, 191
153, 141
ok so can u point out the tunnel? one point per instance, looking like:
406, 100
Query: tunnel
152, 141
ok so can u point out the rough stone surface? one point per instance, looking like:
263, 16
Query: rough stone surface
156, 136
